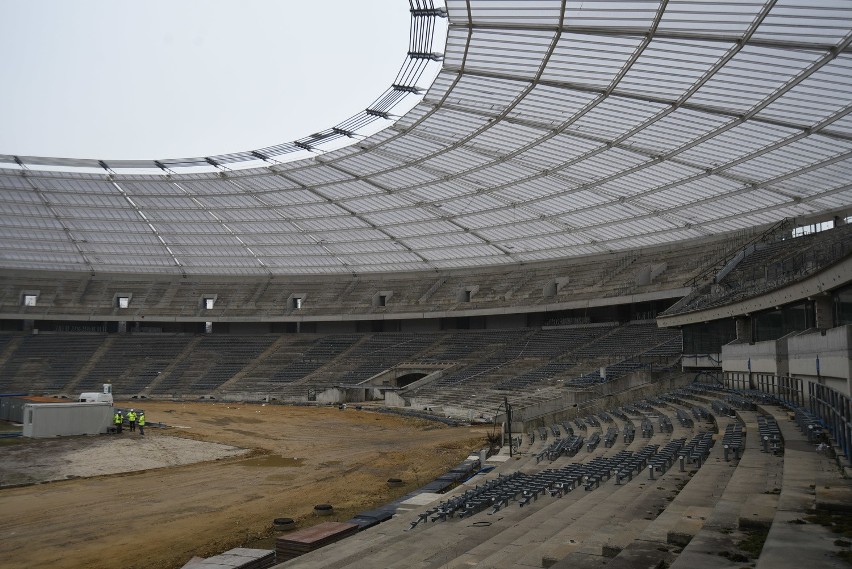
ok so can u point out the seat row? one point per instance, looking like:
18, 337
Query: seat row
722, 409
809, 424
770, 434
664, 459
568, 446
475, 499
697, 450
635, 464
665, 424
629, 432
593, 441
647, 428
733, 440
524, 488
611, 436
701, 413
742, 403
684, 419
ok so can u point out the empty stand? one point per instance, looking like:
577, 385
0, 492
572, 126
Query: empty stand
47, 363
132, 363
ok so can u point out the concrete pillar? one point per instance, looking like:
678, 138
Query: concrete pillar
744, 328
824, 312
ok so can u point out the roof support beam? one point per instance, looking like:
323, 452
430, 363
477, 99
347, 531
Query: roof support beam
626, 31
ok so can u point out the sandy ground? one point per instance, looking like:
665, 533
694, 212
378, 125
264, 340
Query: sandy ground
161, 515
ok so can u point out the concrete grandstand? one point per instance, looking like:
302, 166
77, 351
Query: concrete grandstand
594, 210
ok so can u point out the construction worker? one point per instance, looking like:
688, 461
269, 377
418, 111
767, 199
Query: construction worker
131, 418
141, 423
118, 420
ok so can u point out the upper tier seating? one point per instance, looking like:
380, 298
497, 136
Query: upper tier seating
768, 266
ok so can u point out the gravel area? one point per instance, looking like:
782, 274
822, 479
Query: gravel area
78, 457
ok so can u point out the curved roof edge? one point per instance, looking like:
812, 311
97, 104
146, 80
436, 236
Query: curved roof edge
376, 117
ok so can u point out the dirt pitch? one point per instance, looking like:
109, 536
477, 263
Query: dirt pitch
161, 517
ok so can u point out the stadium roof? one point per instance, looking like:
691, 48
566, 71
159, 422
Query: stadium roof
554, 129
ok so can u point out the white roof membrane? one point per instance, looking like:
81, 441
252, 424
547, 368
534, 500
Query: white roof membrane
547, 134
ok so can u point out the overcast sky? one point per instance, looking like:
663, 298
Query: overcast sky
114, 79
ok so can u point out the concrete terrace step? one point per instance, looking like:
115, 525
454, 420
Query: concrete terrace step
641, 524
623, 511
580, 549
811, 481
748, 501
539, 523
542, 520
587, 510
677, 524
457, 542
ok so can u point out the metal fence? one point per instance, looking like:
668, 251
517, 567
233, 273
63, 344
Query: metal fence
832, 408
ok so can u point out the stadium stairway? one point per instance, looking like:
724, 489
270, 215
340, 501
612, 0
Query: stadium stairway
246, 371
590, 526
812, 482
86, 370
515, 532
544, 523
646, 537
748, 502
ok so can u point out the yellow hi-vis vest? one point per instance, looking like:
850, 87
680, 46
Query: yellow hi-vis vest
141, 420
131, 416
116, 419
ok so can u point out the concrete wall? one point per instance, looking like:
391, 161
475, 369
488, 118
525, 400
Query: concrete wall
820, 356
43, 420
550, 408
434, 376
463, 413
830, 351
336, 395
330, 396
390, 377
761, 357
604, 396
392, 399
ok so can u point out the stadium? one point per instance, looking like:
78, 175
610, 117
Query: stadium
616, 235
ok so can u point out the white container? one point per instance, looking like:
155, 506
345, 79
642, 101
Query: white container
42, 420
